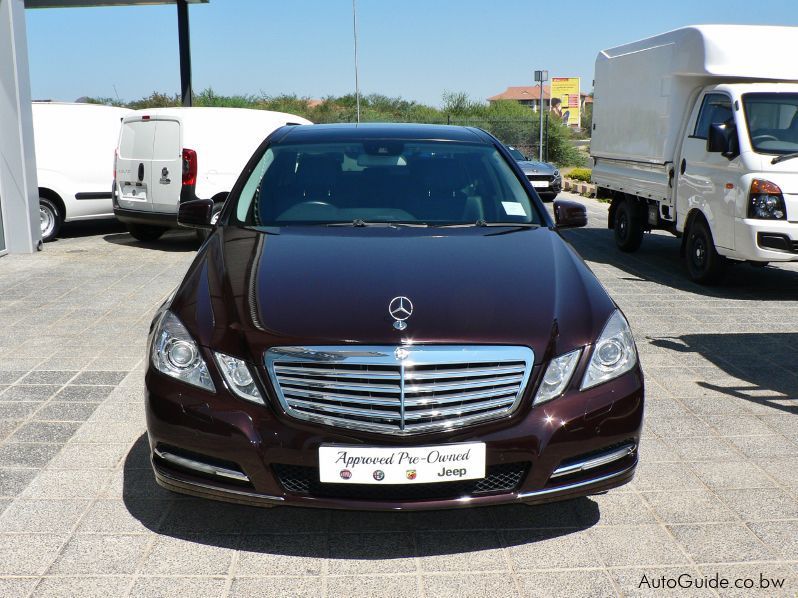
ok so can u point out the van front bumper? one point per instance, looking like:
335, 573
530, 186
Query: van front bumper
765, 240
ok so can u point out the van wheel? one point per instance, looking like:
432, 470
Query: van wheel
50, 219
145, 232
704, 264
204, 233
628, 226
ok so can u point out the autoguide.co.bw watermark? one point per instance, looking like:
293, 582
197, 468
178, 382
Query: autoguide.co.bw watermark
715, 582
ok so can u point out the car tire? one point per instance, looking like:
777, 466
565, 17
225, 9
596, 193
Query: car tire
50, 219
704, 264
628, 226
145, 232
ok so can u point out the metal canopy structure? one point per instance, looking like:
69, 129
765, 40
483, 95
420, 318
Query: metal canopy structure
19, 196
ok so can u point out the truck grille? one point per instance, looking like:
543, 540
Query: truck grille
399, 390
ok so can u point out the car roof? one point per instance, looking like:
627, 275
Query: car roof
358, 132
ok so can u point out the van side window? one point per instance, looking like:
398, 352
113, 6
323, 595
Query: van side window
715, 110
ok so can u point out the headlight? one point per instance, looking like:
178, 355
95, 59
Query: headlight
556, 174
614, 352
239, 379
558, 375
175, 353
765, 201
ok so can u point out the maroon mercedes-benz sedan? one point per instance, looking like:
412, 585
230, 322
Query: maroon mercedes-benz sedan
385, 317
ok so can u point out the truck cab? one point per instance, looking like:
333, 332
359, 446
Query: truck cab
708, 150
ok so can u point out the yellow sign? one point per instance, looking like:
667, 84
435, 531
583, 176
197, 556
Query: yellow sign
565, 99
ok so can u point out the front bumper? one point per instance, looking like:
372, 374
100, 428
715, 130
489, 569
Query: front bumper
268, 458
756, 240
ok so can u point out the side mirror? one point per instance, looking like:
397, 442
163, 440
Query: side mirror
195, 213
569, 214
722, 139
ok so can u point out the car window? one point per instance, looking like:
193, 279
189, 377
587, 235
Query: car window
772, 121
383, 181
715, 110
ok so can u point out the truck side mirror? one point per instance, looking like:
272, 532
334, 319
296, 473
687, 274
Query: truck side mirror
569, 214
195, 213
722, 139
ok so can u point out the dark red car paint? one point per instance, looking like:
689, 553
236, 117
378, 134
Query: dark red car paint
249, 290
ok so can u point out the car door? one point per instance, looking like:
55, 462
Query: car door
167, 165
134, 163
709, 181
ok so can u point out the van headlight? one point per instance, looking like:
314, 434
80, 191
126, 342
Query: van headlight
765, 201
176, 354
614, 352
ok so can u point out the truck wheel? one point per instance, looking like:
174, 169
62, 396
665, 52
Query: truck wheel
145, 232
50, 219
628, 226
704, 264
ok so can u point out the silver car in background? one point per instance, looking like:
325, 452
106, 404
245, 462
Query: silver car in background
545, 177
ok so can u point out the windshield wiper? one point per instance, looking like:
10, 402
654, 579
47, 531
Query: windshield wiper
783, 157
486, 223
357, 222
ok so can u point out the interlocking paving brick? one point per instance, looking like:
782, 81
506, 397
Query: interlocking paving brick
718, 475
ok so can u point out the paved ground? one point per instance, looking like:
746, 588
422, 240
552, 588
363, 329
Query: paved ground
80, 515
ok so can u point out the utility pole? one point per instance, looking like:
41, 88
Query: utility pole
540, 77
186, 95
357, 84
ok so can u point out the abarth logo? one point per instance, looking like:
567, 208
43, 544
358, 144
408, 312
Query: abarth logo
411, 474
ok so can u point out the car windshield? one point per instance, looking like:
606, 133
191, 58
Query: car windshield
516, 154
772, 122
383, 181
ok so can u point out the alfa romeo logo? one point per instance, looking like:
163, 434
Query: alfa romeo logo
400, 308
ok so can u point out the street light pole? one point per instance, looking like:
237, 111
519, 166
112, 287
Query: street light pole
541, 76
357, 84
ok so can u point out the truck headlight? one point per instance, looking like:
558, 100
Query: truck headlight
176, 354
614, 352
765, 201
558, 375
239, 378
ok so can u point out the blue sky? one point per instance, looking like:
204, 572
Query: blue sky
416, 49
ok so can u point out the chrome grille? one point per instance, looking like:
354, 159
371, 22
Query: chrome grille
399, 390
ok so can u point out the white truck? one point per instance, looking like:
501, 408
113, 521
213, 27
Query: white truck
695, 132
169, 155
74, 154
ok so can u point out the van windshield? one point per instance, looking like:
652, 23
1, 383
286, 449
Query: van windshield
772, 122
383, 181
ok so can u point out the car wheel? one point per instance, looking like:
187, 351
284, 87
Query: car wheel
50, 219
704, 264
628, 226
145, 232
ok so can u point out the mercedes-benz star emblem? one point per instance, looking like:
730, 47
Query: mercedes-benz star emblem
400, 308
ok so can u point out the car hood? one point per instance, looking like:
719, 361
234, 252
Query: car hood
249, 290
533, 166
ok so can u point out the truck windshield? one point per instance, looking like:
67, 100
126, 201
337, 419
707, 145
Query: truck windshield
772, 122
384, 181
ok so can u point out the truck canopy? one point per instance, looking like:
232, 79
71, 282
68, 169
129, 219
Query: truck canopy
643, 89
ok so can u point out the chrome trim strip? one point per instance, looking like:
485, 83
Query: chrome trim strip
200, 466
593, 462
280, 361
577, 485
216, 489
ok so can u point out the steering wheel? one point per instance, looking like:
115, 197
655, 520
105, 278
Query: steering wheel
765, 138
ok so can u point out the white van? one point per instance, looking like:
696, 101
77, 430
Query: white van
695, 132
74, 145
169, 155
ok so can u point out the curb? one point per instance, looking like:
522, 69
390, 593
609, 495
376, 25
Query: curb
580, 187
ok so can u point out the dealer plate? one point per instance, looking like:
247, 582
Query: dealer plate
404, 465
540, 183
